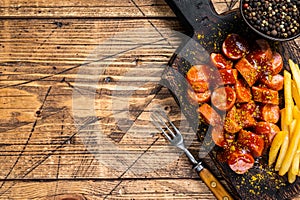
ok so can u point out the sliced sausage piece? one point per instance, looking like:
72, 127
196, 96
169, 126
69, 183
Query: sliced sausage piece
228, 76
240, 161
265, 47
254, 142
245, 119
209, 115
218, 136
220, 61
243, 92
215, 79
277, 63
199, 97
234, 46
248, 71
268, 130
265, 95
270, 113
274, 82
257, 112
200, 86
261, 55
231, 124
249, 107
198, 73
265, 50
230, 138
223, 98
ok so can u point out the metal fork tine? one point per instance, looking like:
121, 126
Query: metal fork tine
156, 123
163, 114
160, 120
175, 128
160, 115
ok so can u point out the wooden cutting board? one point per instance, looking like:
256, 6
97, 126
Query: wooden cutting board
207, 31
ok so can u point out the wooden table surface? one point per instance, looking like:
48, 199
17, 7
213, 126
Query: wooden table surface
78, 79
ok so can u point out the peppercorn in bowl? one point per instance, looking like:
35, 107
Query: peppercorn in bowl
277, 20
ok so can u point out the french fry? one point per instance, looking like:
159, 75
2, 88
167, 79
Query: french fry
292, 127
291, 176
282, 152
288, 99
295, 94
291, 151
295, 164
296, 112
284, 126
296, 74
287, 141
275, 146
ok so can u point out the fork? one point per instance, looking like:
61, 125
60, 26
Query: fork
176, 139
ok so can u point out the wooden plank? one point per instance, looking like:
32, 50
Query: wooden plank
55, 141
39, 68
37, 77
52, 64
52, 42
81, 8
110, 189
94, 8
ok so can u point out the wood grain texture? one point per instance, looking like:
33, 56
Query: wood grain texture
51, 48
112, 189
94, 8
84, 9
214, 185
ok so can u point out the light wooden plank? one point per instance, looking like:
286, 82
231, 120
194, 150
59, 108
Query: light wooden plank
82, 8
95, 9
110, 189
55, 143
73, 42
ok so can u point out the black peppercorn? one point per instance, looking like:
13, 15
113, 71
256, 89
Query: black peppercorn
276, 18
258, 22
274, 32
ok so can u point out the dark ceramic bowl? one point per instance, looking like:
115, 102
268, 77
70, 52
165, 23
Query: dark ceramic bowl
261, 33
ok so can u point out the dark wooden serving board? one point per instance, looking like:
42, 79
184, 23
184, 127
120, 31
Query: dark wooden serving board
207, 32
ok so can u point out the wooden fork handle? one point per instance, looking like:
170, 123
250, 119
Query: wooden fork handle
214, 185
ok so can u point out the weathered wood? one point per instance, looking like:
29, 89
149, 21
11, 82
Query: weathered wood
112, 189
55, 141
81, 8
72, 41
48, 48
93, 8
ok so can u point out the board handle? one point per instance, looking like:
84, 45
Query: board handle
194, 13
214, 185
